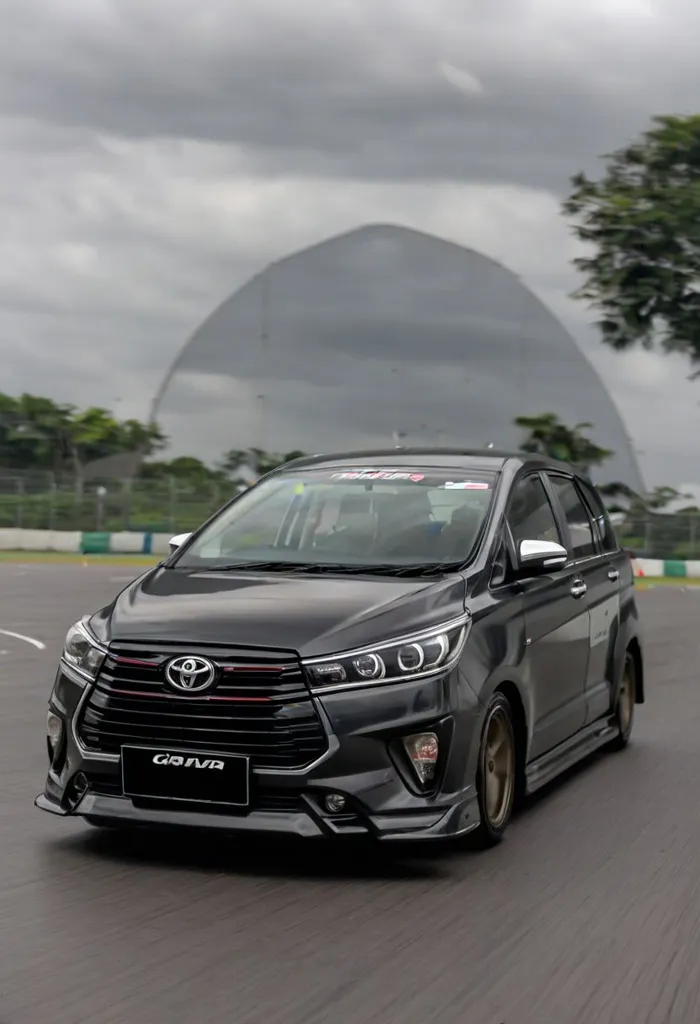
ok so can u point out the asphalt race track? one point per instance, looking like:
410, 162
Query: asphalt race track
589, 912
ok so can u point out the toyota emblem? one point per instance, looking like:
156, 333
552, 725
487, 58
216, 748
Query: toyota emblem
190, 674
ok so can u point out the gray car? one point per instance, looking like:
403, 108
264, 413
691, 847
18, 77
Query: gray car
392, 644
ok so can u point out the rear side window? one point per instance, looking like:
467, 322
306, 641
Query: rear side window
601, 520
580, 527
530, 514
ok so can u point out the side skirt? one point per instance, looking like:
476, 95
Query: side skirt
568, 753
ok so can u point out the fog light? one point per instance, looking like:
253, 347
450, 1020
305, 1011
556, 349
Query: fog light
423, 751
335, 803
54, 730
81, 784
75, 790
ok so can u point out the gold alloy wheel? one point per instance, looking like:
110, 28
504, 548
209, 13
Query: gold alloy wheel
625, 699
499, 767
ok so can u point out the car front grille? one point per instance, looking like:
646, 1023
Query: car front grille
260, 707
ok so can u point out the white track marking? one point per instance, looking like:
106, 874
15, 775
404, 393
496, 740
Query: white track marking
27, 639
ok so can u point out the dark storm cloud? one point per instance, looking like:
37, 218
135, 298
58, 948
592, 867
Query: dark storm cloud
354, 89
158, 153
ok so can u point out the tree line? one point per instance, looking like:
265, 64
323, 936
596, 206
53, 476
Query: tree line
39, 435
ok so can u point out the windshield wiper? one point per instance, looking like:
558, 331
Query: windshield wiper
419, 569
253, 566
336, 568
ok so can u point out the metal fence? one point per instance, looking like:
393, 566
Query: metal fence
48, 502
659, 535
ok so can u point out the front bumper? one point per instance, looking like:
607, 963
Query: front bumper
307, 823
383, 801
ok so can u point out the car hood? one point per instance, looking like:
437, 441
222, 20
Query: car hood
313, 615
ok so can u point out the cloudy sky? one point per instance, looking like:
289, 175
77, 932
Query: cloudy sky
156, 153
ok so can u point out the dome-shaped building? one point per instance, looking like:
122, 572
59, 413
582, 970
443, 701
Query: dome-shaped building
377, 335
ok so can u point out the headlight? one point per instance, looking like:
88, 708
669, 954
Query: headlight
410, 657
83, 653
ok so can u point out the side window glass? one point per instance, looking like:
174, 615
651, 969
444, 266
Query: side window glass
580, 527
530, 515
601, 520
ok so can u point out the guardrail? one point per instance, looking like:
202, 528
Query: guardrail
666, 567
86, 543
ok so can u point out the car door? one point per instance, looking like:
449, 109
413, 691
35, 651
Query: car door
617, 571
556, 623
595, 568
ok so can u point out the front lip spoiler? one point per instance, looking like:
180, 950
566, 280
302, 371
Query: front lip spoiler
443, 823
44, 804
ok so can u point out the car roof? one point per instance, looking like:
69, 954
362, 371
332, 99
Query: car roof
490, 459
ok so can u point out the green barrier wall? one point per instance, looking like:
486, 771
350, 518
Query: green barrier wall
95, 543
675, 568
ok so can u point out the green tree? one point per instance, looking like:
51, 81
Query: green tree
32, 432
661, 497
257, 461
618, 496
39, 434
185, 469
641, 222
547, 435
96, 434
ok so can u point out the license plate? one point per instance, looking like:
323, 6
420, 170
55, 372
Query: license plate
186, 775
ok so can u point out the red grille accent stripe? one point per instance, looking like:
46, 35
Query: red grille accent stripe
134, 661
255, 668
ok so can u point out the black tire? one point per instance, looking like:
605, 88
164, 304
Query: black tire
496, 780
624, 704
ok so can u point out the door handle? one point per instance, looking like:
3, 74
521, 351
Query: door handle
613, 575
578, 589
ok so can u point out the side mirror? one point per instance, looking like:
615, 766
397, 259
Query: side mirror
177, 541
537, 557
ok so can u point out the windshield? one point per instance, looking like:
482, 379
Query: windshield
345, 518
